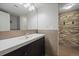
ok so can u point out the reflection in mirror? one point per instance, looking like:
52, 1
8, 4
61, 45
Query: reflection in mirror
14, 22
14, 16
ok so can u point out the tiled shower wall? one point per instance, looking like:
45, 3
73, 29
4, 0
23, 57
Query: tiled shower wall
69, 32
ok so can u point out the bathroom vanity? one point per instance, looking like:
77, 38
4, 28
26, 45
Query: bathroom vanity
28, 45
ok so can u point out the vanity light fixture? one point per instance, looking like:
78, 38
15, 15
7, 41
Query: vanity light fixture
31, 8
28, 5
68, 6
21, 3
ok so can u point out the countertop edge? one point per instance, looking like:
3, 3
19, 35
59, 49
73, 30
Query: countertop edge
19, 46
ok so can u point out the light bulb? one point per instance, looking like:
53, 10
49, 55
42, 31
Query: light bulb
31, 8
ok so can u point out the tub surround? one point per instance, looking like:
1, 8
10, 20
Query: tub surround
11, 44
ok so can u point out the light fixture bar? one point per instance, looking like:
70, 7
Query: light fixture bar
29, 6
68, 6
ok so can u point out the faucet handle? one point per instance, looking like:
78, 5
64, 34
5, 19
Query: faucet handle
26, 35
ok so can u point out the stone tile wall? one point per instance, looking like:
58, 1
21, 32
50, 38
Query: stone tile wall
69, 28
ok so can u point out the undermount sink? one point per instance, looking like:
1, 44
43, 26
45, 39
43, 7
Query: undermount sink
29, 35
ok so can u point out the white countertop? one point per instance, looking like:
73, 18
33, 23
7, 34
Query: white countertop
11, 44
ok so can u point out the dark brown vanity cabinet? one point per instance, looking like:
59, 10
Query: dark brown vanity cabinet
36, 48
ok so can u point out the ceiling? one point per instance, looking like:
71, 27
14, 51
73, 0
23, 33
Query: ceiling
61, 5
16, 8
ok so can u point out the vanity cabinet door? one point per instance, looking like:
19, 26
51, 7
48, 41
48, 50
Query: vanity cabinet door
18, 52
36, 48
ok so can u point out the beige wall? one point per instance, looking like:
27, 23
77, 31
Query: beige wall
51, 41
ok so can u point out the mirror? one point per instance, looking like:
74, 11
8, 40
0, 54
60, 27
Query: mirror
14, 22
18, 22
15, 16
